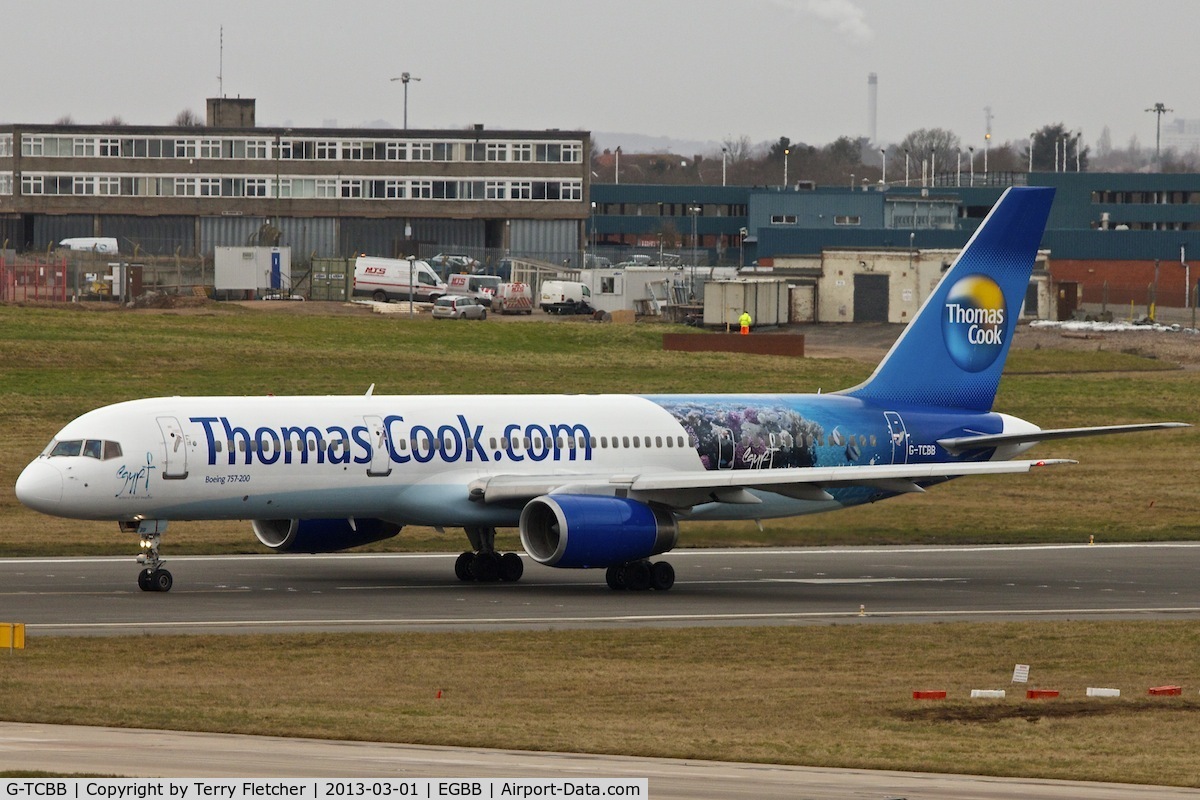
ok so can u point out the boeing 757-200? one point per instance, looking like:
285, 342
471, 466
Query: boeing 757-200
591, 481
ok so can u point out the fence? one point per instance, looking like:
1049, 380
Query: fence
33, 278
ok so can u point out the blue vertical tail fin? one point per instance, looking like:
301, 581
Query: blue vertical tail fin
952, 353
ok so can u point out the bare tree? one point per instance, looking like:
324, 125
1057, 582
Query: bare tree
115, 121
188, 119
65, 119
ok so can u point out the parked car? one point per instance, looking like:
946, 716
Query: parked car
458, 307
481, 287
513, 298
565, 297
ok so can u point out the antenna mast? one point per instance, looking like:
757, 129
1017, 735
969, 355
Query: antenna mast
221, 67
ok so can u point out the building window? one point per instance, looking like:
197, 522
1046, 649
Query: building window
210, 148
475, 151
353, 151
421, 190
110, 147
844, 219
108, 185
257, 148
522, 152
33, 184
185, 148
572, 153
497, 151
443, 151
521, 190
422, 151
6, 183
396, 151
327, 150
6, 147
395, 189
327, 187
572, 190
352, 188
549, 153
210, 187
783, 219
185, 187
256, 187
497, 190
82, 185
84, 147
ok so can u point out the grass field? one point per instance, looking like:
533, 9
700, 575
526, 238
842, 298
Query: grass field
827, 695
838, 695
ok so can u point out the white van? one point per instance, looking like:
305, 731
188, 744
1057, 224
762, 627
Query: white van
384, 279
96, 244
513, 298
481, 287
566, 297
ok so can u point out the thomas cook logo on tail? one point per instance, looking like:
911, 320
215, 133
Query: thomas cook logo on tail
973, 322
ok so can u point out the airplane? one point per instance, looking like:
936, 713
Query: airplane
591, 481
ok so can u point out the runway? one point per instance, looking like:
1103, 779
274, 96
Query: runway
793, 586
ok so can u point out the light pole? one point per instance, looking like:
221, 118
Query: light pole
617, 166
883, 163
1031, 137
694, 211
724, 158
987, 145
786, 150
1158, 110
404, 78
906, 166
971, 152
1078, 142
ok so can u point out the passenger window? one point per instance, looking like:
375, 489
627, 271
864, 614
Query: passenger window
637, 442
113, 450
670, 442
658, 441
647, 441
492, 443
872, 440
527, 443
625, 442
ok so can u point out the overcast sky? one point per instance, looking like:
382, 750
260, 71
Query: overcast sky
697, 70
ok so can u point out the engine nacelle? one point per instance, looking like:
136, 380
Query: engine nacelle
321, 535
583, 530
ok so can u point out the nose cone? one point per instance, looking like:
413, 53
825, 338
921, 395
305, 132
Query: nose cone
40, 486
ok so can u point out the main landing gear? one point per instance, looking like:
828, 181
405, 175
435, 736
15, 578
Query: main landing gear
152, 578
641, 575
483, 563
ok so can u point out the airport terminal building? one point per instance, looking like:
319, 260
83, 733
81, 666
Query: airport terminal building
323, 192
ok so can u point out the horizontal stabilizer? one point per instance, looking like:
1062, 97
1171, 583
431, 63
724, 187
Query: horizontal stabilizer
961, 444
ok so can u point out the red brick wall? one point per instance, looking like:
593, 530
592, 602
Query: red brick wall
1127, 280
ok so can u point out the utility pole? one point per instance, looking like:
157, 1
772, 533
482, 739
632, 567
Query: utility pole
1158, 110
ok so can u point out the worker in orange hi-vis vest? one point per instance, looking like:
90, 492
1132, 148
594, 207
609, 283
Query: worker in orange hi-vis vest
745, 321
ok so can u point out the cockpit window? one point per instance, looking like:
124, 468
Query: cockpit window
99, 449
71, 447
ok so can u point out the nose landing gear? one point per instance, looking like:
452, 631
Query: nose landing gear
152, 577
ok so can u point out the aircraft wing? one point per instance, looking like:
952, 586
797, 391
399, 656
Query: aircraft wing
686, 489
961, 444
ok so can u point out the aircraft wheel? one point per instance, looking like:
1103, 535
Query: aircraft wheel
615, 576
637, 575
662, 576
511, 567
485, 567
144, 578
462, 566
161, 580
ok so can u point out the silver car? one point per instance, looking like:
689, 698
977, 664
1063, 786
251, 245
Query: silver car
458, 307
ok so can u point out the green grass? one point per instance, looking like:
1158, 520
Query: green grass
830, 695
58, 363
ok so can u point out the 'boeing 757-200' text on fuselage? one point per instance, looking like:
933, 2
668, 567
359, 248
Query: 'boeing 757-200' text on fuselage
591, 481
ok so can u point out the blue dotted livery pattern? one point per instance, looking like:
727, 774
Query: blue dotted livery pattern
953, 352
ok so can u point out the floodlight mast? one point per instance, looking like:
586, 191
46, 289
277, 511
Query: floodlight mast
404, 78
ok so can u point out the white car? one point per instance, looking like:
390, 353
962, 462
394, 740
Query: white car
458, 307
